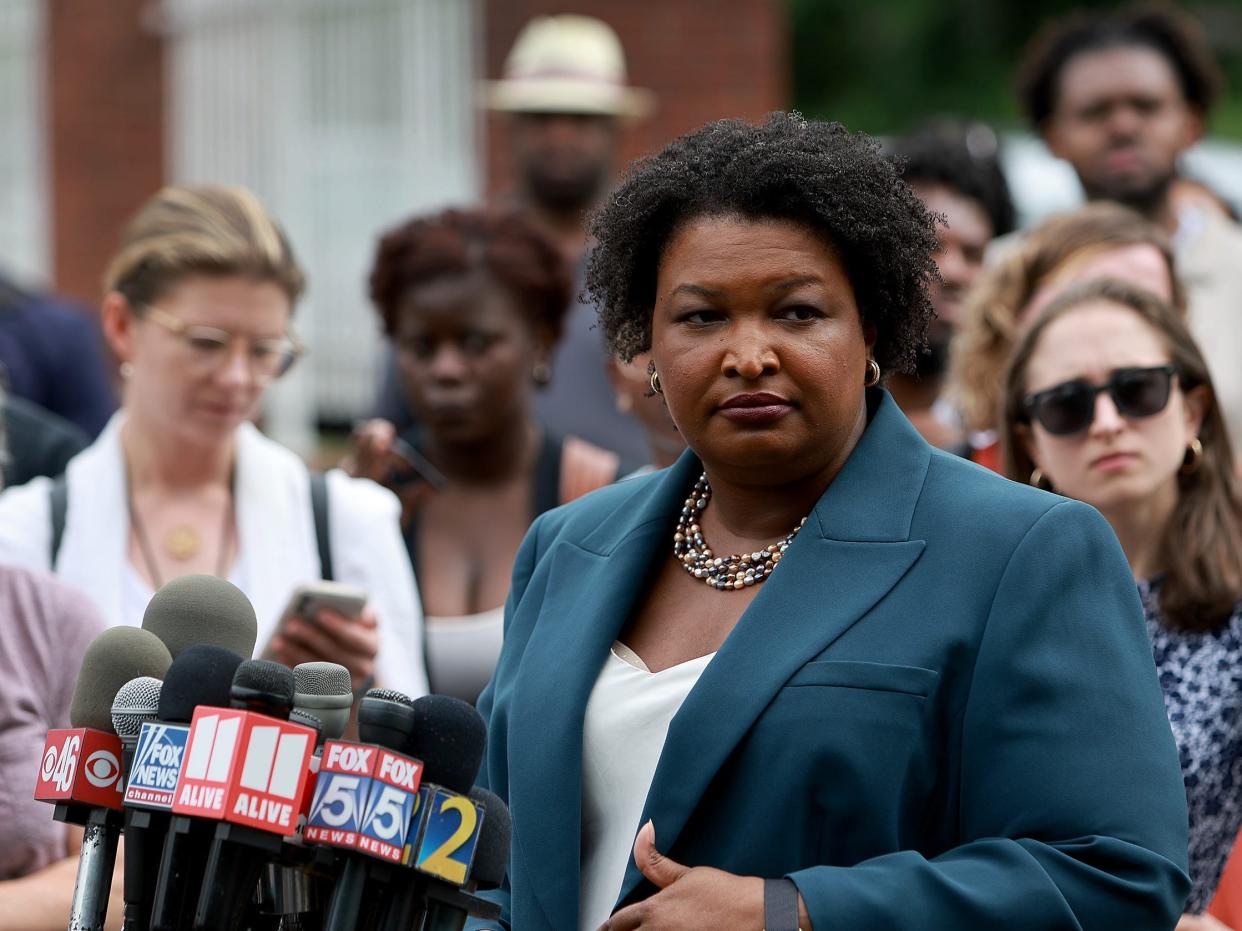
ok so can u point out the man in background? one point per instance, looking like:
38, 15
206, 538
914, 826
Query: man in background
954, 171
52, 355
565, 96
1121, 97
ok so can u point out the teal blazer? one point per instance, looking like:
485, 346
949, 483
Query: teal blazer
940, 712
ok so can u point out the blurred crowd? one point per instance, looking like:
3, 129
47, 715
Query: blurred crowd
1097, 354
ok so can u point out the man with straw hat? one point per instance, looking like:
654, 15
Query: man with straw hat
564, 89
565, 94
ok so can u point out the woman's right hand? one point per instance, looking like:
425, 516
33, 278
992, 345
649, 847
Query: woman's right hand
1204, 922
370, 455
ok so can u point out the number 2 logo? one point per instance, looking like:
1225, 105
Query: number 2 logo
449, 857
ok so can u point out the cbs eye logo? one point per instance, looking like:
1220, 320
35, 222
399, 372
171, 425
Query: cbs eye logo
102, 769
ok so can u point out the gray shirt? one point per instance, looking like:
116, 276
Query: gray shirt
45, 627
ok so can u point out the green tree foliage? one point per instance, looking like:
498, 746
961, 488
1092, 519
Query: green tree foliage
887, 65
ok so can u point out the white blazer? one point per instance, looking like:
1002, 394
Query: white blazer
276, 537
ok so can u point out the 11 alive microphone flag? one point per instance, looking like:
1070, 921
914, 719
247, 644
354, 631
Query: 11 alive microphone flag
96, 782
245, 768
364, 799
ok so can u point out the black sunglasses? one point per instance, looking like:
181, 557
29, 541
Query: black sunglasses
1069, 407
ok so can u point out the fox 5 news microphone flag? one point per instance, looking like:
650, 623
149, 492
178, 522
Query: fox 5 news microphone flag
364, 799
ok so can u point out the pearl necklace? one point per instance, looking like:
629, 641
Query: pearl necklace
721, 572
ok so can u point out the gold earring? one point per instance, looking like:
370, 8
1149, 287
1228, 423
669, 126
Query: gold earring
1193, 458
873, 374
127, 369
656, 387
1036, 479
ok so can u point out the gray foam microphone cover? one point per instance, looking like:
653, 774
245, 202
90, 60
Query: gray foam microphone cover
116, 656
136, 702
206, 609
324, 690
325, 680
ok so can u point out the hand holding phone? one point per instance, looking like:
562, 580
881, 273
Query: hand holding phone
328, 621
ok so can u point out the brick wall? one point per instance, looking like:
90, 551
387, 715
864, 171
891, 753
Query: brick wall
105, 128
705, 59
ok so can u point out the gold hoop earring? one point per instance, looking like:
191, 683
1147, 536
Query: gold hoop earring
1037, 479
873, 374
656, 387
1193, 458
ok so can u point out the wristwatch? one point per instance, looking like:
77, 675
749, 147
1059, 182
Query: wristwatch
780, 905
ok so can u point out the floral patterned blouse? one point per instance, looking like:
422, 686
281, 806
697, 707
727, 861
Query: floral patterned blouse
1201, 676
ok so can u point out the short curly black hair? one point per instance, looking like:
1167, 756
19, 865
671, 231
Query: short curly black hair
1175, 35
503, 242
837, 183
945, 156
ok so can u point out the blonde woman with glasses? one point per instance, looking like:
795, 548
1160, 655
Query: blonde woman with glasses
198, 308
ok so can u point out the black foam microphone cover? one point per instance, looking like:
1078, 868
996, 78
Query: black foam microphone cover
116, 656
491, 857
206, 609
450, 737
263, 686
201, 675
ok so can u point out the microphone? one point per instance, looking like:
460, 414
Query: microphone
449, 737
326, 691
201, 676
364, 798
246, 767
90, 794
491, 860
137, 703
194, 610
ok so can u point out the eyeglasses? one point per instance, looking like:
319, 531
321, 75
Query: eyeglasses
1069, 407
269, 358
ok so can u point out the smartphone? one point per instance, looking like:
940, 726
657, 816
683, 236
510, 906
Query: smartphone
348, 600
417, 466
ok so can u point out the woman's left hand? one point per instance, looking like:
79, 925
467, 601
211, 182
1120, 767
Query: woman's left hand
333, 638
691, 898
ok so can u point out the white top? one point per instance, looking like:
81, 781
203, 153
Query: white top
627, 719
462, 652
275, 536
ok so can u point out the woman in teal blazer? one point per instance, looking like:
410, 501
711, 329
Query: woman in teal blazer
935, 708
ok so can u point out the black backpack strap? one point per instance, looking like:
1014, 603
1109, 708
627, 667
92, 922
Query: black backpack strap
59, 496
319, 508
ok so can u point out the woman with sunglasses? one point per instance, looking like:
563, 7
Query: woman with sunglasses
1108, 400
198, 308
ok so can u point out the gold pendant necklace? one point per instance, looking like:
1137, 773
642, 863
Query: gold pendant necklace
182, 543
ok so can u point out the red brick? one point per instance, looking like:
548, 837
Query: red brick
106, 131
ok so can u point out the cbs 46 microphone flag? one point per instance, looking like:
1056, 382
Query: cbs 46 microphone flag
244, 768
80, 765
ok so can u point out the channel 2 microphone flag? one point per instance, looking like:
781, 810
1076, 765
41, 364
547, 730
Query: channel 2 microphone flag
244, 768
